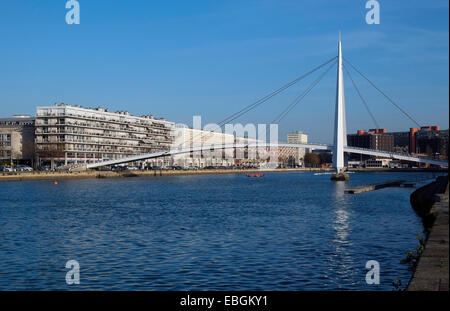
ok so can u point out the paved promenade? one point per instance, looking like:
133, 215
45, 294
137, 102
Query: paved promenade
432, 271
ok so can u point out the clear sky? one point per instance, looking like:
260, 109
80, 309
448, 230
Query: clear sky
176, 59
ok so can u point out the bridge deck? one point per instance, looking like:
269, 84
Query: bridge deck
384, 154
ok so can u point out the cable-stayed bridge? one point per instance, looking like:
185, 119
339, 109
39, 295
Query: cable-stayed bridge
356, 150
339, 147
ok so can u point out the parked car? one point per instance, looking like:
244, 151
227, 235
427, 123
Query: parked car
119, 168
24, 168
103, 169
6, 169
176, 167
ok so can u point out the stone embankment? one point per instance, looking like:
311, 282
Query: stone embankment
431, 202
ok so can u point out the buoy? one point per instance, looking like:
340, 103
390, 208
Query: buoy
55, 182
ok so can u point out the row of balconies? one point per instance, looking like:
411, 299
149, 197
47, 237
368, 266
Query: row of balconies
104, 119
118, 151
70, 142
166, 131
84, 133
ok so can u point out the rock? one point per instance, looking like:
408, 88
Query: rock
340, 177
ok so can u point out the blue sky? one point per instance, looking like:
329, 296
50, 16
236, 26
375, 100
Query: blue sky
176, 59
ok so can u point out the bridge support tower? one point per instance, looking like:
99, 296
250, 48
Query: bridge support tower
340, 128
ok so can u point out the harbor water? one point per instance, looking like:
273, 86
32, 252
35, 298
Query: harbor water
285, 231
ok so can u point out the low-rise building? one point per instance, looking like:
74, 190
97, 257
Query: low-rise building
377, 163
17, 140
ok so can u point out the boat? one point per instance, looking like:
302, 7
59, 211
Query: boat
255, 175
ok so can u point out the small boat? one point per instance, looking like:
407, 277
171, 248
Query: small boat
255, 175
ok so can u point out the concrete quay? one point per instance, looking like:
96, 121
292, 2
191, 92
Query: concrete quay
368, 188
432, 271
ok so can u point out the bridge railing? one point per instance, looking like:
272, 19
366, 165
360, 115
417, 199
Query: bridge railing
392, 154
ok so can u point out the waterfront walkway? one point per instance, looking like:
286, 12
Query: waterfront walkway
432, 271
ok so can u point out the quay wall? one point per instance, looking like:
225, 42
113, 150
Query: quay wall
431, 202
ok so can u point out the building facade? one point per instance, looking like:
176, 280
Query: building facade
17, 140
401, 141
290, 156
427, 140
297, 138
185, 138
376, 139
432, 142
73, 134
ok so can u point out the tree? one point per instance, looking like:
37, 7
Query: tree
312, 160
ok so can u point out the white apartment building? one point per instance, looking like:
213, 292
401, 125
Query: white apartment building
295, 156
73, 134
185, 138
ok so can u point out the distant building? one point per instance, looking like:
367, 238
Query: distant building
290, 156
355, 164
297, 138
401, 141
430, 140
74, 134
376, 139
17, 140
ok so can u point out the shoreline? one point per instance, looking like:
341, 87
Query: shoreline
144, 173
431, 204
30, 176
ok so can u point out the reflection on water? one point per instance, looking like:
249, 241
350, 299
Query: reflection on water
341, 214
289, 231
342, 261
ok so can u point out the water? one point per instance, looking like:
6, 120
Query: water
287, 231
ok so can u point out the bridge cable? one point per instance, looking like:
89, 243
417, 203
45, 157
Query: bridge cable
283, 114
267, 97
362, 98
264, 99
384, 94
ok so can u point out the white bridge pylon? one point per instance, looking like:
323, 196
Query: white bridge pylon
340, 126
